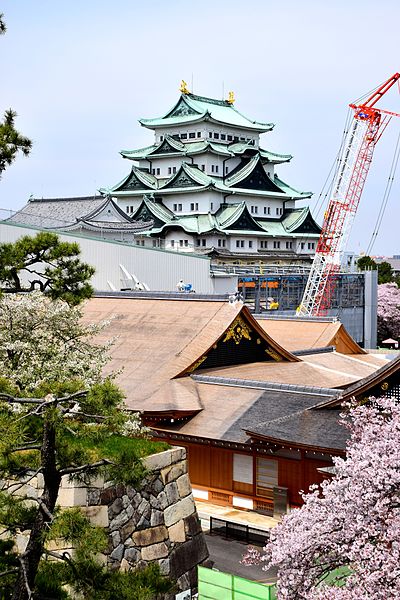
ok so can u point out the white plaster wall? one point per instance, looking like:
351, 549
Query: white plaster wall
204, 200
160, 270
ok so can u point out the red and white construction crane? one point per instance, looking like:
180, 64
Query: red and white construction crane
355, 158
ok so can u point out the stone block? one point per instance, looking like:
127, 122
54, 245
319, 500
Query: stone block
125, 566
192, 525
184, 485
173, 472
93, 496
144, 508
177, 532
97, 515
72, 496
163, 500
120, 490
154, 552
152, 535
132, 555
157, 486
119, 521
177, 453
125, 501
188, 555
164, 566
143, 523
116, 507
157, 518
155, 462
115, 538
108, 495
128, 529
178, 511
117, 553
171, 489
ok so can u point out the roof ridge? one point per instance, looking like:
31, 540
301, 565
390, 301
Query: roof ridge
266, 385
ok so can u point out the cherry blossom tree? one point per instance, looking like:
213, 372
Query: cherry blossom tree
344, 542
56, 411
388, 311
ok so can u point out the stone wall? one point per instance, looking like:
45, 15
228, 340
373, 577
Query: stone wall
157, 521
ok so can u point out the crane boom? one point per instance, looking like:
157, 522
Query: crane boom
355, 159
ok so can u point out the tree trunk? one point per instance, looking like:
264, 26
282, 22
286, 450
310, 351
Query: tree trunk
34, 550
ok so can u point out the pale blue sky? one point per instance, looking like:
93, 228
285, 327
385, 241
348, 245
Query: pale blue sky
80, 75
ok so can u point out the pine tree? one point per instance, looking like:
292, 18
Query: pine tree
58, 415
45, 263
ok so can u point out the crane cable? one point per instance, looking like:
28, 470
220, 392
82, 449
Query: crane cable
386, 195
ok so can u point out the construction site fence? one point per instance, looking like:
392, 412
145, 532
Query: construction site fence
216, 585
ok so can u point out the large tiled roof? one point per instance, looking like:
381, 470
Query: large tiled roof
199, 147
69, 214
298, 334
192, 108
56, 212
159, 340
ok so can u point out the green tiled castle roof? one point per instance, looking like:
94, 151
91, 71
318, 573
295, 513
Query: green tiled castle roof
191, 108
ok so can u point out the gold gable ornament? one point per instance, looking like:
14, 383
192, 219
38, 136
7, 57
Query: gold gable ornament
237, 331
231, 98
184, 88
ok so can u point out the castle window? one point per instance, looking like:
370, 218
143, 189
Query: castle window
254, 210
169, 170
181, 243
264, 244
179, 207
216, 136
311, 245
235, 138
250, 244
192, 135
216, 168
223, 136
277, 245
158, 171
239, 243
277, 211
153, 171
172, 243
242, 139
174, 170
289, 245
226, 169
175, 207
161, 138
186, 243
194, 206
184, 136
210, 134
203, 242
267, 210
230, 138
211, 205
197, 242
199, 134
203, 167
212, 168
302, 245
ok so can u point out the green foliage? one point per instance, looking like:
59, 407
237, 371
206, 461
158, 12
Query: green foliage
11, 141
366, 263
8, 562
50, 265
385, 272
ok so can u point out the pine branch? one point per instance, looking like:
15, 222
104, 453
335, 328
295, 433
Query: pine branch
28, 589
9, 572
87, 467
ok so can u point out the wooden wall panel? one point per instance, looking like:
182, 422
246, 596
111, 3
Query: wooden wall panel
290, 475
199, 464
311, 475
221, 468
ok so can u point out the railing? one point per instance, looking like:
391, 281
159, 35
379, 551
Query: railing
238, 531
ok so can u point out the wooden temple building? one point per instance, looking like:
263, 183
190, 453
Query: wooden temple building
256, 403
